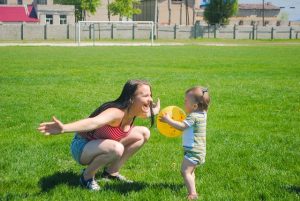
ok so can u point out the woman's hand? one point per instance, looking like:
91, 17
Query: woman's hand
51, 128
156, 107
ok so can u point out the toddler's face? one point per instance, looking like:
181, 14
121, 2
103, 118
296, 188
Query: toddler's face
188, 103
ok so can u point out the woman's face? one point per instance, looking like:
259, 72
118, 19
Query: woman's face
142, 101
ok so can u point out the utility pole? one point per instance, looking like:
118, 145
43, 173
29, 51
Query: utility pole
155, 18
263, 13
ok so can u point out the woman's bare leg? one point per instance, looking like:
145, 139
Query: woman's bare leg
132, 143
98, 153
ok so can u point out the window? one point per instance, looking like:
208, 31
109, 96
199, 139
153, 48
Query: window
49, 19
63, 19
267, 23
20, 2
42, 2
3, 1
292, 7
278, 23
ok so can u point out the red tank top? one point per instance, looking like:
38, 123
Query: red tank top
107, 132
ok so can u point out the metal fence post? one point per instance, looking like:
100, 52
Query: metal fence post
215, 31
68, 31
93, 34
175, 30
112, 31
253, 32
90, 31
195, 30
272, 33
22, 31
45, 32
234, 32
291, 33
133, 31
208, 30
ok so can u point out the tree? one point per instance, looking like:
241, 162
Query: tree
81, 6
219, 11
124, 8
90, 6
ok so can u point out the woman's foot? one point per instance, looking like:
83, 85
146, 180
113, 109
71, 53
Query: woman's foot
118, 177
192, 197
90, 184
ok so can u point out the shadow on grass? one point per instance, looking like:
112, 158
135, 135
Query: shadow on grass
125, 188
50, 182
293, 189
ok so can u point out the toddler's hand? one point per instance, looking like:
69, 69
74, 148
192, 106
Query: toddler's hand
165, 118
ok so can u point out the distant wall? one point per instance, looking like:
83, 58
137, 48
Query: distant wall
15, 32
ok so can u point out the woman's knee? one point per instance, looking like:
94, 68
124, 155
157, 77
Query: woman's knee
146, 133
117, 149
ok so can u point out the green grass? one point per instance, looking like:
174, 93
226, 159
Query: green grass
253, 124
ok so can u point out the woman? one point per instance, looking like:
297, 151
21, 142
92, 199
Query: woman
108, 138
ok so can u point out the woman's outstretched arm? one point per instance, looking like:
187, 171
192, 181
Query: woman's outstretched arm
84, 125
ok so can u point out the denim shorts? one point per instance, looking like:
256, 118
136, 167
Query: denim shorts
77, 146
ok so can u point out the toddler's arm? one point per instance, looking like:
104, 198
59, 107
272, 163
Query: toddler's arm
176, 124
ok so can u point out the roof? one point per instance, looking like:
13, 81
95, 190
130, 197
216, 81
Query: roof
18, 13
267, 6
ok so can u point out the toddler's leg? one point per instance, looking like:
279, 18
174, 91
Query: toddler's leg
187, 171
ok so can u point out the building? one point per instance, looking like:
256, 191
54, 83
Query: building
255, 14
248, 14
36, 11
289, 9
102, 13
168, 12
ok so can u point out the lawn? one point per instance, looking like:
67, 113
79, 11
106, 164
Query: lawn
253, 143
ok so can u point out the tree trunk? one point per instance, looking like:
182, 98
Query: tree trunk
187, 21
180, 13
108, 11
194, 12
169, 8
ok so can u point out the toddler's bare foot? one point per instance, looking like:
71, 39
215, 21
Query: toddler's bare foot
192, 197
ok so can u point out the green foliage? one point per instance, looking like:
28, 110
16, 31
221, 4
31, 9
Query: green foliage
124, 8
81, 6
90, 5
219, 11
252, 131
284, 16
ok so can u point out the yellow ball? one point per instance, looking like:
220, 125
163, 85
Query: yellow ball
175, 113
